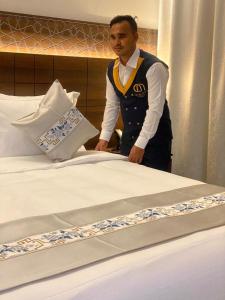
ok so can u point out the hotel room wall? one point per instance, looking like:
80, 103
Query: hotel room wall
30, 74
52, 36
36, 50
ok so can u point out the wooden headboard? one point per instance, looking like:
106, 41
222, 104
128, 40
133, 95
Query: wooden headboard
31, 74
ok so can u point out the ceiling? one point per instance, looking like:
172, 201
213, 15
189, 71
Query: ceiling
100, 11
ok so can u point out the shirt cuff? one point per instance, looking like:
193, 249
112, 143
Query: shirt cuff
105, 135
141, 142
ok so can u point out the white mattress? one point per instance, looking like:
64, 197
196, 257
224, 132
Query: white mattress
192, 267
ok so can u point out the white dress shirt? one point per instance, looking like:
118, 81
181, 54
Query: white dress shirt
157, 77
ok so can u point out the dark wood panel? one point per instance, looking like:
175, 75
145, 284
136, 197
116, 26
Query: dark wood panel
7, 88
24, 68
96, 89
41, 88
24, 89
6, 67
72, 73
72, 70
95, 115
82, 109
43, 68
27, 75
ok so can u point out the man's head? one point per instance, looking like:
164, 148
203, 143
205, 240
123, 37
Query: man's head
123, 35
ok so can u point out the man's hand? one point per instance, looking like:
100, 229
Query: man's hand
102, 145
136, 154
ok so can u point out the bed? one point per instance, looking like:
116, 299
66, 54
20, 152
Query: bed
98, 227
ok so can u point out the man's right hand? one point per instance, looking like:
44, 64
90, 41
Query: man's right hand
102, 145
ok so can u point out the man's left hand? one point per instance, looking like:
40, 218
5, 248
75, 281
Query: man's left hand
136, 154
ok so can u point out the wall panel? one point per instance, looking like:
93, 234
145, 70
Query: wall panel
42, 35
28, 74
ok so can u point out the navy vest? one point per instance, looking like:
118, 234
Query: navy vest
134, 103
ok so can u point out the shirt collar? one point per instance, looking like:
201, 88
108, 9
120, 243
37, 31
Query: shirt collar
132, 62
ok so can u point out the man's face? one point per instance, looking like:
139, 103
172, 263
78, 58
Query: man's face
123, 39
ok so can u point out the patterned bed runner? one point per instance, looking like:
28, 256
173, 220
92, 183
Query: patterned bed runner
38, 247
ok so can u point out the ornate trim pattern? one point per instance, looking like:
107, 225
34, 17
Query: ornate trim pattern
42, 35
60, 130
73, 234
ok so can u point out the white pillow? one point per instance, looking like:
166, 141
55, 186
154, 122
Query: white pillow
27, 98
3, 97
18, 98
13, 142
57, 127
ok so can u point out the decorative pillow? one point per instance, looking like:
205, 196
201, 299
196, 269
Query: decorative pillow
12, 100
57, 127
13, 142
18, 98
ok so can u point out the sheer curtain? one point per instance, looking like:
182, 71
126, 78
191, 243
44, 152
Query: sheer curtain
191, 40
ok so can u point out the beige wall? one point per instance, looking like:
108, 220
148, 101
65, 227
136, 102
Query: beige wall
100, 11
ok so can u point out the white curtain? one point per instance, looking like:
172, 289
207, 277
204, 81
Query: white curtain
191, 40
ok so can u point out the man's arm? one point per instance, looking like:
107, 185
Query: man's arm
157, 78
110, 118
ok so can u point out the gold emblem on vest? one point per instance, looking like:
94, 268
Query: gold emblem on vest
139, 89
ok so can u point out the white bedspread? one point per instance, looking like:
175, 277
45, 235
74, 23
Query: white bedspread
188, 268
36, 186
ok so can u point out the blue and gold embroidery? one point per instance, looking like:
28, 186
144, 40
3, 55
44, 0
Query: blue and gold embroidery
69, 235
60, 130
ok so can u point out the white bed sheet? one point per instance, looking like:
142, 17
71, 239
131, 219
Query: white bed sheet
192, 267
37, 186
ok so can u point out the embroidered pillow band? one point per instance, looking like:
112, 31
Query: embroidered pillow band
60, 130
57, 126
13, 141
76, 233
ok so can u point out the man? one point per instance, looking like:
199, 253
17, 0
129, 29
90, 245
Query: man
136, 85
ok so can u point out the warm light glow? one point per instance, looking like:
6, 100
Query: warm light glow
38, 35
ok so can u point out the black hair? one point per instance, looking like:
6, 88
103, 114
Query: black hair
128, 18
